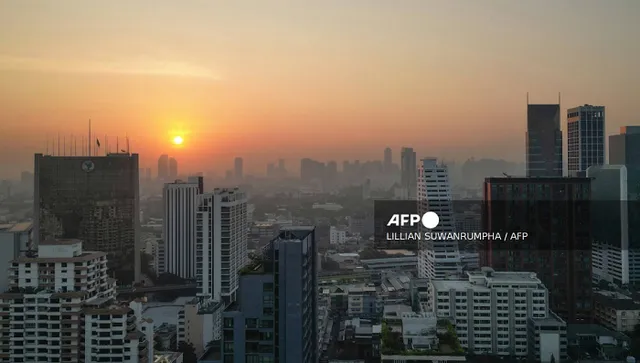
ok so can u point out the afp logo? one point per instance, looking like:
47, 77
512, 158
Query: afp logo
429, 220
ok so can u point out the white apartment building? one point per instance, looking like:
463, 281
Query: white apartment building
337, 236
437, 259
53, 298
15, 241
180, 202
221, 243
497, 313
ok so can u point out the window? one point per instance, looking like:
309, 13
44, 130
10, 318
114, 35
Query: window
228, 322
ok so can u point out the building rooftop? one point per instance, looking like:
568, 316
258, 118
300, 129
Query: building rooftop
60, 242
615, 300
16, 227
295, 232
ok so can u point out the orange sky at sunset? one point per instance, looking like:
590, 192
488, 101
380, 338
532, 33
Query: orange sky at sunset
290, 79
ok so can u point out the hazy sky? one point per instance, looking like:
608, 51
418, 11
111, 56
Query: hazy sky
324, 79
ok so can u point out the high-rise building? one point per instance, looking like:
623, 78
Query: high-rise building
408, 169
501, 313
388, 160
173, 168
313, 170
180, 201
544, 141
585, 138
198, 180
276, 316
437, 258
610, 218
624, 148
238, 168
555, 212
92, 198
221, 243
163, 167
60, 308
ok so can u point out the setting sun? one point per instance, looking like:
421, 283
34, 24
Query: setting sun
178, 140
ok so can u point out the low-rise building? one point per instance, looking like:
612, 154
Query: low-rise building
491, 312
337, 235
616, 311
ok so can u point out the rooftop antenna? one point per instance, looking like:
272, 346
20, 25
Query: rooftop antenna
89, 140
127, 137
117, 145
75, 146
58, 144
527, 98
64, 146
106, 145
47, 147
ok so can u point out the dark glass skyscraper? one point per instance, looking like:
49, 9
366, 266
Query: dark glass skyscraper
585, 138
555, 212
275, 316
544, 141
94, 199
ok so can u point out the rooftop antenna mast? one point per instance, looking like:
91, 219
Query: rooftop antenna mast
89, 140
75, 146
106, 145
559, 98
127, 144
47, 147
117, 145
58, 144
64, 146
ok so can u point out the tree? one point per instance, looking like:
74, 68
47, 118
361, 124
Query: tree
188, 352
157, 344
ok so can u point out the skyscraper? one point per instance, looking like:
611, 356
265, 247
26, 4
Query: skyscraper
544, 141
163, 167
93, 198
388, 160
624, 148
221, 243
173, 168
555, 212
180, 201
277, 304
437, 259
238, 168
610, 220
585, 138
408, 178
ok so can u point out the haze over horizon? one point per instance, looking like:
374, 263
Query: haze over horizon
326, 80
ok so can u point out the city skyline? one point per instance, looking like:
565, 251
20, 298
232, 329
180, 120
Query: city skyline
439, 80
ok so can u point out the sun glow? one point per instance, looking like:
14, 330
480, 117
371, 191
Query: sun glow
178, 140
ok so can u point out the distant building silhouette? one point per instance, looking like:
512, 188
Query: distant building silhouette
544, 141
238, 168
408, 173
388, 160
173, 168
163, 167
